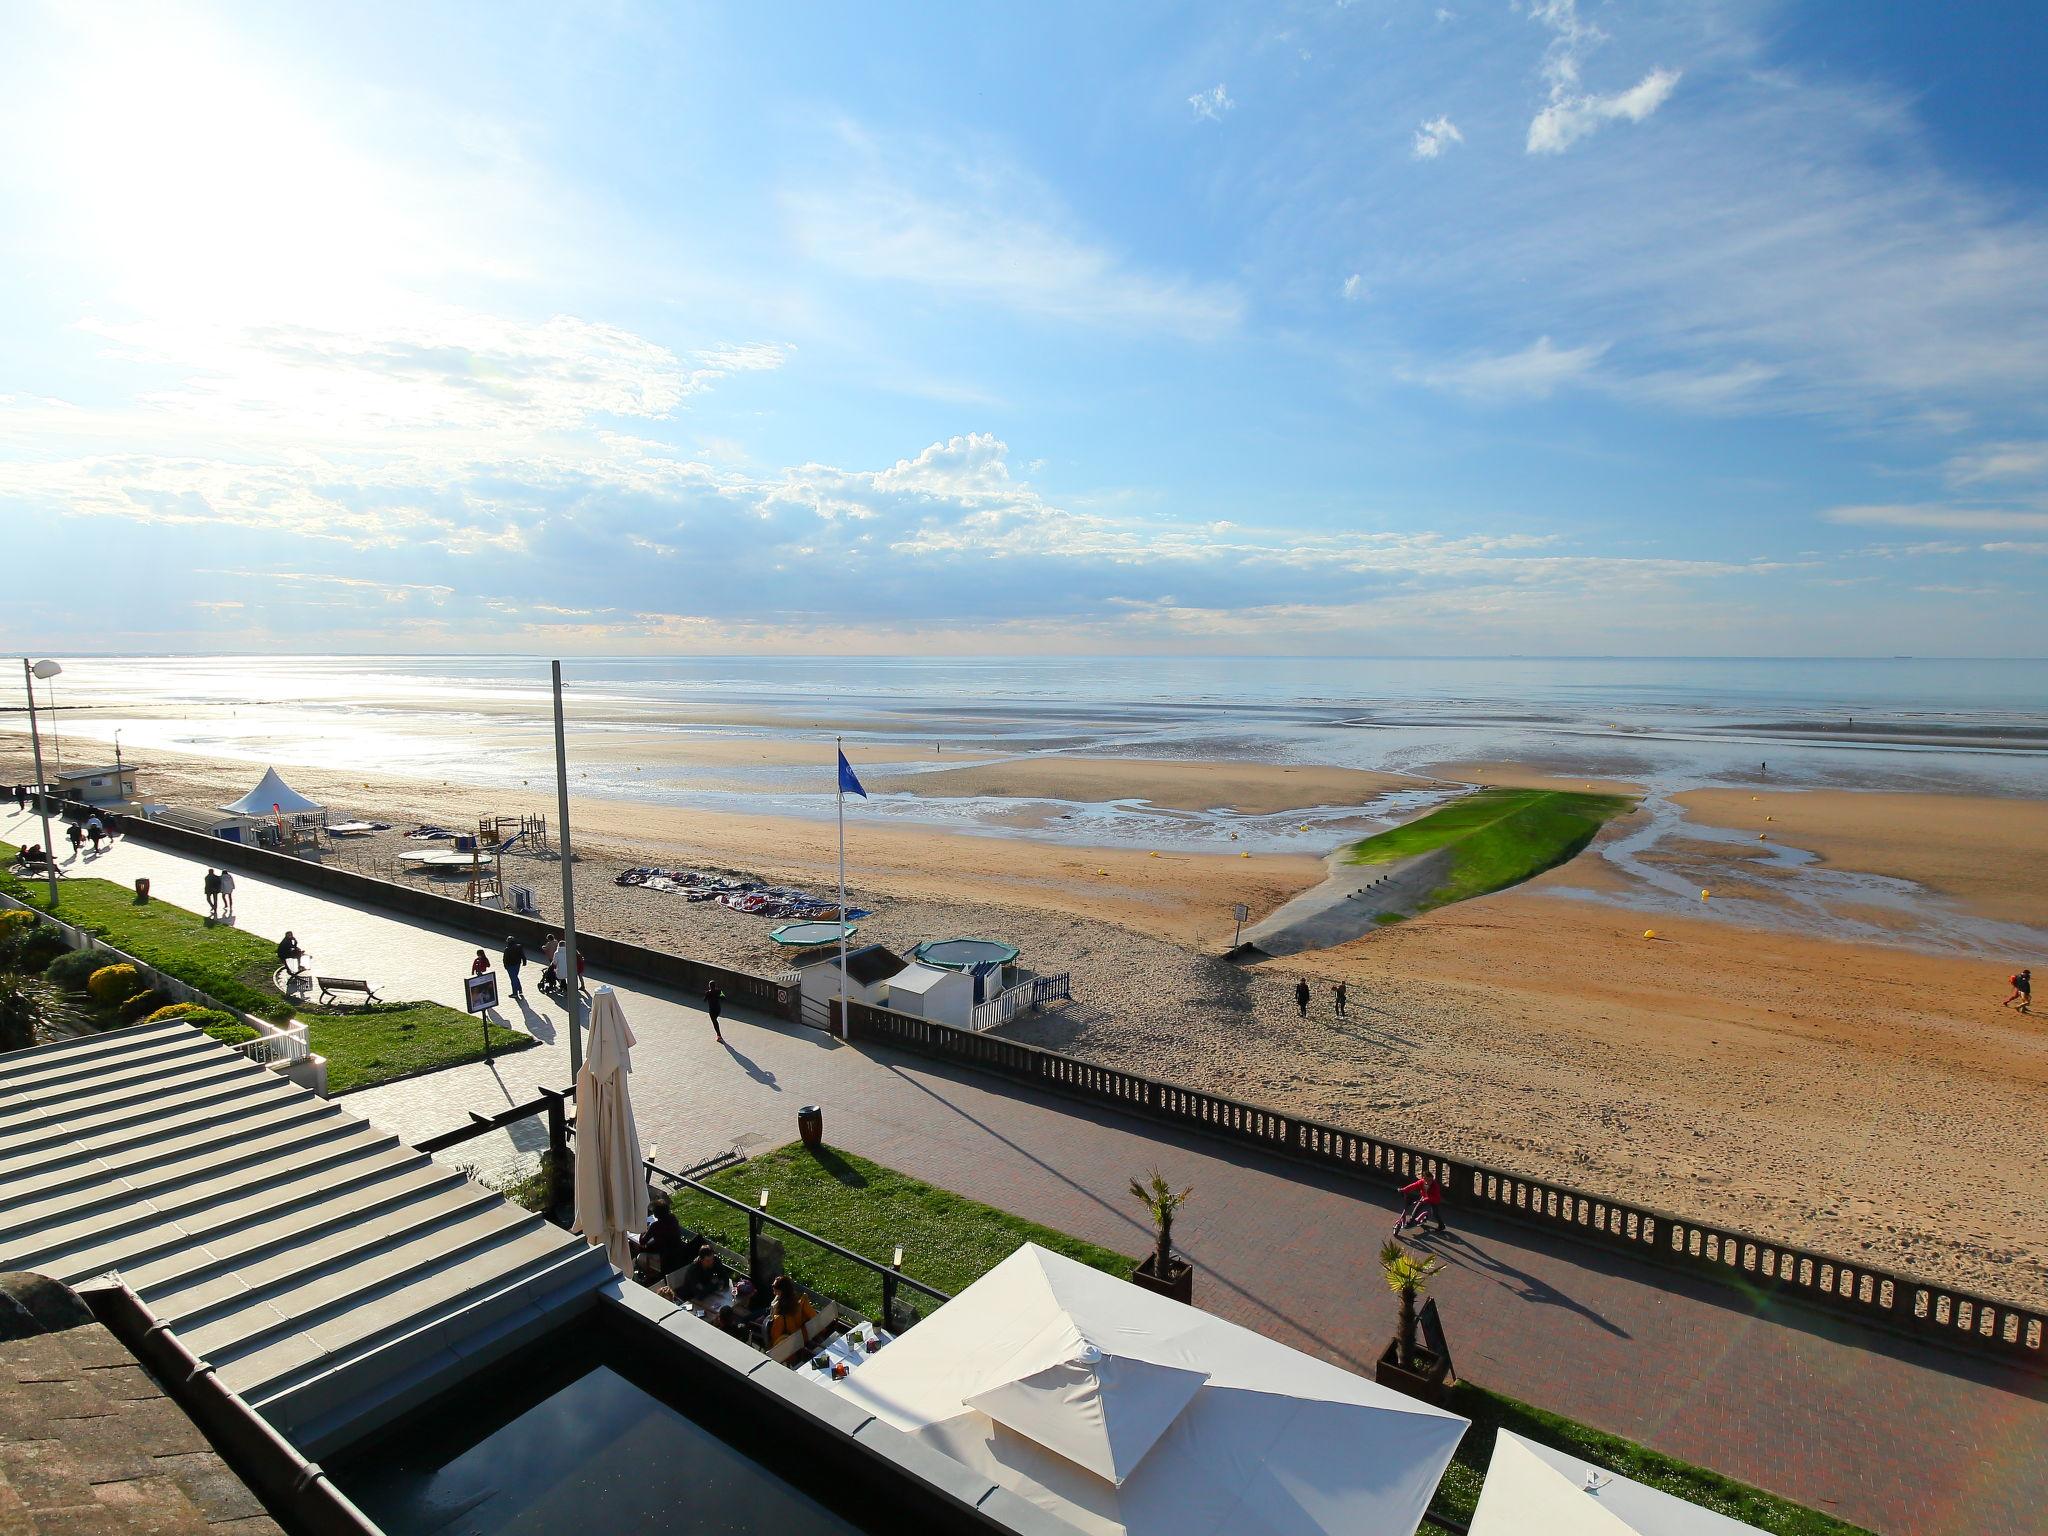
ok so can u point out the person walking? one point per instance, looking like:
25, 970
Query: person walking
77, 838
2023, 991
714, 1000
481, 965
1301, 997
1340, 997
95, 829
514, 957
549, 983
213, 893
227, 894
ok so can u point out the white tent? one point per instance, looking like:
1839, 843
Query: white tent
1532, 1490
1121, 1411
611, 1180
271, 793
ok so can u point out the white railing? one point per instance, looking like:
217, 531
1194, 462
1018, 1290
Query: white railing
285, 1047
999, 1009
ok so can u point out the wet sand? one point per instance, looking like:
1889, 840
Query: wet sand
1868, 1099
1250, 789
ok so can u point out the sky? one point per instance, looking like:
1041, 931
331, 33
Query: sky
1467, 328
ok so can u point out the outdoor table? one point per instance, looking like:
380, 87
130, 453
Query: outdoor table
848, 1349
707, 1307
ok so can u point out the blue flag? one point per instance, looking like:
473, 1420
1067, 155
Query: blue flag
848, 784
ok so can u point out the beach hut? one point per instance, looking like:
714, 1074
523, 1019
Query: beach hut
1119, 1411
1531, 1490
868, 969
930, 992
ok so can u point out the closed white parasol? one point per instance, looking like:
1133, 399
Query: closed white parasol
611, 1183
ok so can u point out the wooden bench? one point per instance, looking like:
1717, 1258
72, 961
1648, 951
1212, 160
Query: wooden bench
332, 987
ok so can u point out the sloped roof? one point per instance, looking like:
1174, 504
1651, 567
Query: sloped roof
321, 1266
271, 792
871, 963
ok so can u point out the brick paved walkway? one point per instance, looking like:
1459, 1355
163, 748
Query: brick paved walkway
1906, 1439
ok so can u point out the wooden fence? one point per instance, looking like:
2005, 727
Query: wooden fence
1977, 1324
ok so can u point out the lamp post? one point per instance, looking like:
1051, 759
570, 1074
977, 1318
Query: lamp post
30, 671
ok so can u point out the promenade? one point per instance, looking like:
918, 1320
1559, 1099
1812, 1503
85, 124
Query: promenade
1905, 1438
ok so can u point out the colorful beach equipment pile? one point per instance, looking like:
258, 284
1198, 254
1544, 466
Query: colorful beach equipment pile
752, 897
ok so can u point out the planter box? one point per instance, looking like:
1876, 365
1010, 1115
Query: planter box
1427, 1379
1179, 1283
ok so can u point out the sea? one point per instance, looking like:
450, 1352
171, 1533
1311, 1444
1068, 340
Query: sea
1669, 724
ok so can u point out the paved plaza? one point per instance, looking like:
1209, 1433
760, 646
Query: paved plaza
1905, 1438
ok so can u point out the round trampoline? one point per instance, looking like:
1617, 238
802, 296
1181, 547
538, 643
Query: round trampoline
803, 935
964, 954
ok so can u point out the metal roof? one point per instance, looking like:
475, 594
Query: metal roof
331, 1275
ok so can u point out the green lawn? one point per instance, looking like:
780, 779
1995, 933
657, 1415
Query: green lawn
1496, 837
1458, 1493
948, 1240
363, 1046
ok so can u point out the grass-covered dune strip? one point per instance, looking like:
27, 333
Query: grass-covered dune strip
363, 1046
1495, 837
948, 1241
1458, 1494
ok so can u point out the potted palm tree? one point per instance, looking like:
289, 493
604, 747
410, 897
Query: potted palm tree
1161, 1272
1407, 1366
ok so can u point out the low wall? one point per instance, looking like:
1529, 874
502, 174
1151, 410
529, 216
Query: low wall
1977, 1324
489, 923
308, 1071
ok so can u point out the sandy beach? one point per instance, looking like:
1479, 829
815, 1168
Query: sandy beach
1872, 1099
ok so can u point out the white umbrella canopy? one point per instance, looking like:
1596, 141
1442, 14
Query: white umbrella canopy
611, 1183
1121, 1411
1532, 1490
271, 793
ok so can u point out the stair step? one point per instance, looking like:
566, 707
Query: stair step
405, 1217
336, 1299
77, 1250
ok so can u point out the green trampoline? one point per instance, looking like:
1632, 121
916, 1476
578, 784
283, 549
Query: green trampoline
964, 954
807, 935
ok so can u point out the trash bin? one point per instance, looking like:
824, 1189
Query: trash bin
142, 889
810, 1125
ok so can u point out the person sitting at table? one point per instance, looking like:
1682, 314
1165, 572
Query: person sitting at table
728, 1321
789, 1311
659, 1249
705, 1276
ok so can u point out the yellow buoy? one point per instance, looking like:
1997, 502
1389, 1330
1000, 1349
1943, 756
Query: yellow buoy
1762, 838
1244, 855
1102, 871
1705, 894
1770, 818
1154, 853
1649, 933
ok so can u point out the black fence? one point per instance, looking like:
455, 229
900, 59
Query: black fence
1977, 1324
772, 1246
489, 923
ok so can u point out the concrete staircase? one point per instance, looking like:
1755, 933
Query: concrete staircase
333, 1277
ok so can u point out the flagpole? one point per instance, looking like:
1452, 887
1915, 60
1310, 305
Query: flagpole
839, 780
573, 990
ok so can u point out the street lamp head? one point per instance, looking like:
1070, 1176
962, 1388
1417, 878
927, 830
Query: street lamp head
46, 669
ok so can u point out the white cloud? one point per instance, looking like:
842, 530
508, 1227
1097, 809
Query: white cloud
1210, 105
1434, 137
2000, 461
1534, 373
1572, 111
986, 231
1567, 119
1962, 519
1354, 288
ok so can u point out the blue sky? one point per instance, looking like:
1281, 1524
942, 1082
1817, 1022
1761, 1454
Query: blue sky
1364, 328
